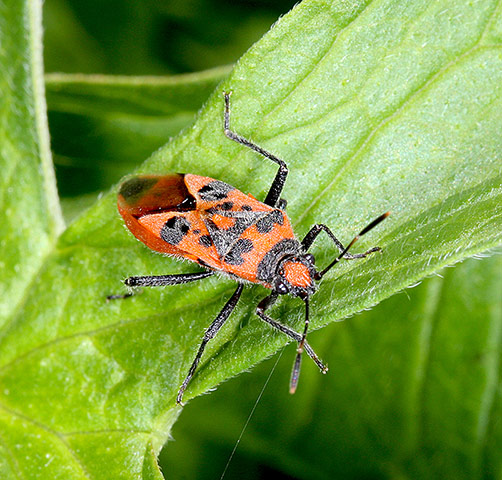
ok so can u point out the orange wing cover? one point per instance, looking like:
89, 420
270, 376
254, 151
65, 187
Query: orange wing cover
207, 221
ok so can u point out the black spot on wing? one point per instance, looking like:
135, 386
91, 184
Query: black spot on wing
239, 248
221, 208
215, 190
267, 268
174, 230
266, 224
187, 204
134, 188
224, 239
205, 241
247, 208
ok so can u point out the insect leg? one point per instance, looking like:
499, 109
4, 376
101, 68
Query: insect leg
160, 280
210, 333
282, 204
295, 374
280, 178
266, 303
366, 229
318, 228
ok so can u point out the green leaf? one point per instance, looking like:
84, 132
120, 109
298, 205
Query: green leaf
413, 392
389, 105
103, 126
30, 218
149, 37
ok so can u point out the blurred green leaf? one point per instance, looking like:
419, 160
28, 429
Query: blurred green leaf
153, 37
389, 105
413, 392
103, 126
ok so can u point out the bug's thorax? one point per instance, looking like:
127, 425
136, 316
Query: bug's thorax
296, 276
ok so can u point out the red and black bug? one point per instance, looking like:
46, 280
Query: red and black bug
226, 231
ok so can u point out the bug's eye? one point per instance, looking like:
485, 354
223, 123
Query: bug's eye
281, 288
310, 258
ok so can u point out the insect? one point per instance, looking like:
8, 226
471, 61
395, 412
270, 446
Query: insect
226, 231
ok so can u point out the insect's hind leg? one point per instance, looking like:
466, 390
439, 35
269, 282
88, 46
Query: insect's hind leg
210, 333
159, 281
277, 186
265, 304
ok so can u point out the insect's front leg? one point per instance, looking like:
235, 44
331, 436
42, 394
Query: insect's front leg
159, 281
218, 322
265, 304
318, 228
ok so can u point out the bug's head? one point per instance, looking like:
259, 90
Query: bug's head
296, 275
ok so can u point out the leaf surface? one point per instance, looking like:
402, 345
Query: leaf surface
375, 106
103, 126
412, 392
30, 218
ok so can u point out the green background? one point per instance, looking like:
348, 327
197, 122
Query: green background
375, 105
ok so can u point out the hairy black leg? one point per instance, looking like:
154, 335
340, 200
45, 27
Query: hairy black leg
274, 193
295, 374
210, 333
266, 303
160, 280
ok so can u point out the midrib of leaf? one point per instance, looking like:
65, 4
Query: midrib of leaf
40, 106
23, 72
52, 433
437, 293
66, 96
428, 83
357, 14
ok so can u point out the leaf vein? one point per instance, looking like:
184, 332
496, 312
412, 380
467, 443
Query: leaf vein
362, 145
49, 431
16, 467
316, 64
